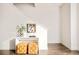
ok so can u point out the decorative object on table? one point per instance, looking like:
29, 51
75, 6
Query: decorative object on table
21, 48
20, 30
33, 48
31, 28
32, 36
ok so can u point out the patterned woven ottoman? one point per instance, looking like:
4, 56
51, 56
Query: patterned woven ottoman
21, 48
33, 48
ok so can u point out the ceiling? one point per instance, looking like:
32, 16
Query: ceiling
38, 4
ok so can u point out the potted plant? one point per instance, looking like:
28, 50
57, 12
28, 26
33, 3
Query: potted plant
20, 30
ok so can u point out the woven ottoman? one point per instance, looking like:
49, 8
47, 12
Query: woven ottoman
33, 48
21, 48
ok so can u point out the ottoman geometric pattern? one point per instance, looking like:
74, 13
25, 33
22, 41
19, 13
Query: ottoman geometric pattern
21, 48
33, 48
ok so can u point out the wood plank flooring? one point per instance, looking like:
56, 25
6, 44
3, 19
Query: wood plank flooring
53, 49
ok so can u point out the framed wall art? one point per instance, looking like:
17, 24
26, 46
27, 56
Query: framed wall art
31, 28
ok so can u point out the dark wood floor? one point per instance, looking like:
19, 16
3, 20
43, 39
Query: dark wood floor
58, 49
53, 49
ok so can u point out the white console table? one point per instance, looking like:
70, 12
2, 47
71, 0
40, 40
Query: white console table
18, 40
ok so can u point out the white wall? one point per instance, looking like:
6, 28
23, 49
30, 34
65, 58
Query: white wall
65, 25
8, 21
73, 26
47, 15
78, 26
10, 16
